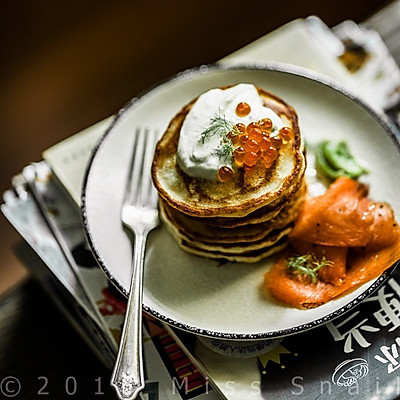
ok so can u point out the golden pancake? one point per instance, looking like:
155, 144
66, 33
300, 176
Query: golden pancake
262, 214
242, 195
246, 217
239, 247
193, 229
249, 257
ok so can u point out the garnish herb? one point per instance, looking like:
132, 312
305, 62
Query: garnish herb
307, 265
335, 159
225, 150
221, 126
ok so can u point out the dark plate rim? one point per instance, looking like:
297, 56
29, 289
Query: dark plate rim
202, 70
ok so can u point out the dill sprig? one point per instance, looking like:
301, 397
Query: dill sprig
307, 265
225, 150
219, 126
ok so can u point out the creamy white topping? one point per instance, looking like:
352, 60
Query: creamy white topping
197, 157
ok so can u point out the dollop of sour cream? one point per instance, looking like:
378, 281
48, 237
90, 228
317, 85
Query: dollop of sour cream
197, 156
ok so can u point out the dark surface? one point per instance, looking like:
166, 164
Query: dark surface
41, 350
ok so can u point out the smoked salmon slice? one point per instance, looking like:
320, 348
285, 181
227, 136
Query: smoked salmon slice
360, 239
339, 217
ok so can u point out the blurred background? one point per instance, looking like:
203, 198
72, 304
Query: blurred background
68, 64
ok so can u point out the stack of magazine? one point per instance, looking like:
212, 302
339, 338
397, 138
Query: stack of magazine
353, 356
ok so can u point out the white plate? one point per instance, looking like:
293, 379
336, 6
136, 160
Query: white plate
198, 294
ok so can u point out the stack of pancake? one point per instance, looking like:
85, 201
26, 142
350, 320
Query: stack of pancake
243, 220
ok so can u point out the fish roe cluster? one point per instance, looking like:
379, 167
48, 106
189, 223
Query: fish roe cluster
253, 143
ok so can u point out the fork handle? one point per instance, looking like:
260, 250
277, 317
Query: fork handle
128, 376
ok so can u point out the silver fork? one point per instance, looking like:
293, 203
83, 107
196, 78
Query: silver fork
140, 215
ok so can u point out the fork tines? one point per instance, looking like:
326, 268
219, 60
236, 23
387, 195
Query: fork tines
140, 190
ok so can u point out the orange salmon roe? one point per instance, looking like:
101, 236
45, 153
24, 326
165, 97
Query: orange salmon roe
270, 154
265, 125
265, 142
238, 155
286, 134
241, 127
233, 138
242, 109
276, 142
243, 139
252, 145
254, 131
250, 158
225, 174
